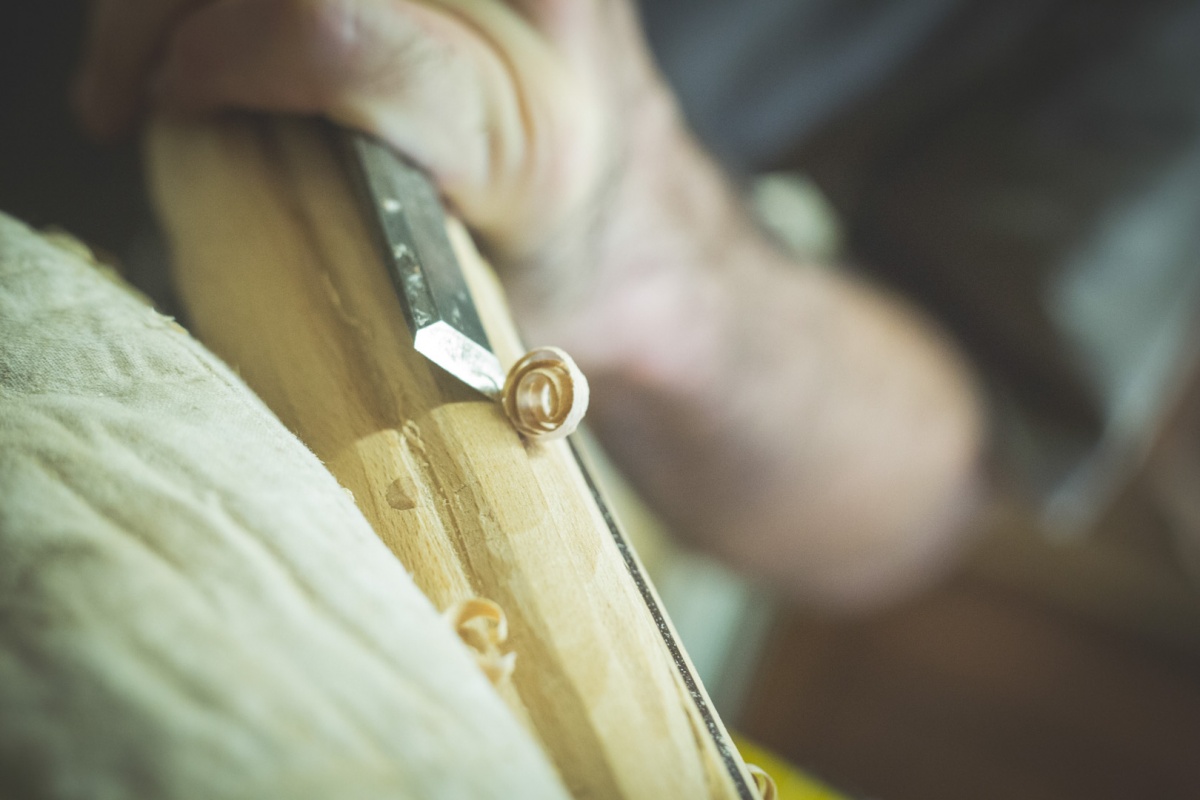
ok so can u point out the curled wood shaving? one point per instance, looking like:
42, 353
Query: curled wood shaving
763, 782
483, 627
545, 395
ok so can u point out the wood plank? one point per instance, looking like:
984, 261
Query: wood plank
280, 277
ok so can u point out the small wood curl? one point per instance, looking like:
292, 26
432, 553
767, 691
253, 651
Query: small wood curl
483, 627
763, 783
545, 395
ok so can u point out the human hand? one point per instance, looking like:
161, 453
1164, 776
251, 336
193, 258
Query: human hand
523, 112
805, 426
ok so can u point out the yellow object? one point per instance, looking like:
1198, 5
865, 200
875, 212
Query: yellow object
790, 783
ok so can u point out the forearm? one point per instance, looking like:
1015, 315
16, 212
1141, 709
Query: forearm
782, 415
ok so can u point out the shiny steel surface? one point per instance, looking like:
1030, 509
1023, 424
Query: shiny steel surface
433, 293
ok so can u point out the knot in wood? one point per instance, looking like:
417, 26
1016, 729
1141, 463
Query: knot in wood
545, 395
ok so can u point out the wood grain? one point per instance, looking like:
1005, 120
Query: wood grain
280, 277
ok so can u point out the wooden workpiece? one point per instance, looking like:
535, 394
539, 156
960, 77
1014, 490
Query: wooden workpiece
280, 277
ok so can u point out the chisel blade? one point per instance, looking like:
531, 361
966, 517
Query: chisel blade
433, 293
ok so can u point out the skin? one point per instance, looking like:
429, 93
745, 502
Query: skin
802, 425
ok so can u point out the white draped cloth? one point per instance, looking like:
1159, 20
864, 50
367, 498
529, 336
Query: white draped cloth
190, 605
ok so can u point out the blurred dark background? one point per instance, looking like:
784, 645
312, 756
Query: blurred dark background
49, 173
981, 158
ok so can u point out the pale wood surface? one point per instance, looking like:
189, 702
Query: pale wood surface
281, 278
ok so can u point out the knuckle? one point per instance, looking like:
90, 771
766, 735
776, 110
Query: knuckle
320, 39
332, 26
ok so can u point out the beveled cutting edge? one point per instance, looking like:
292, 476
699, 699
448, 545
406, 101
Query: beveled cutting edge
437, 304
